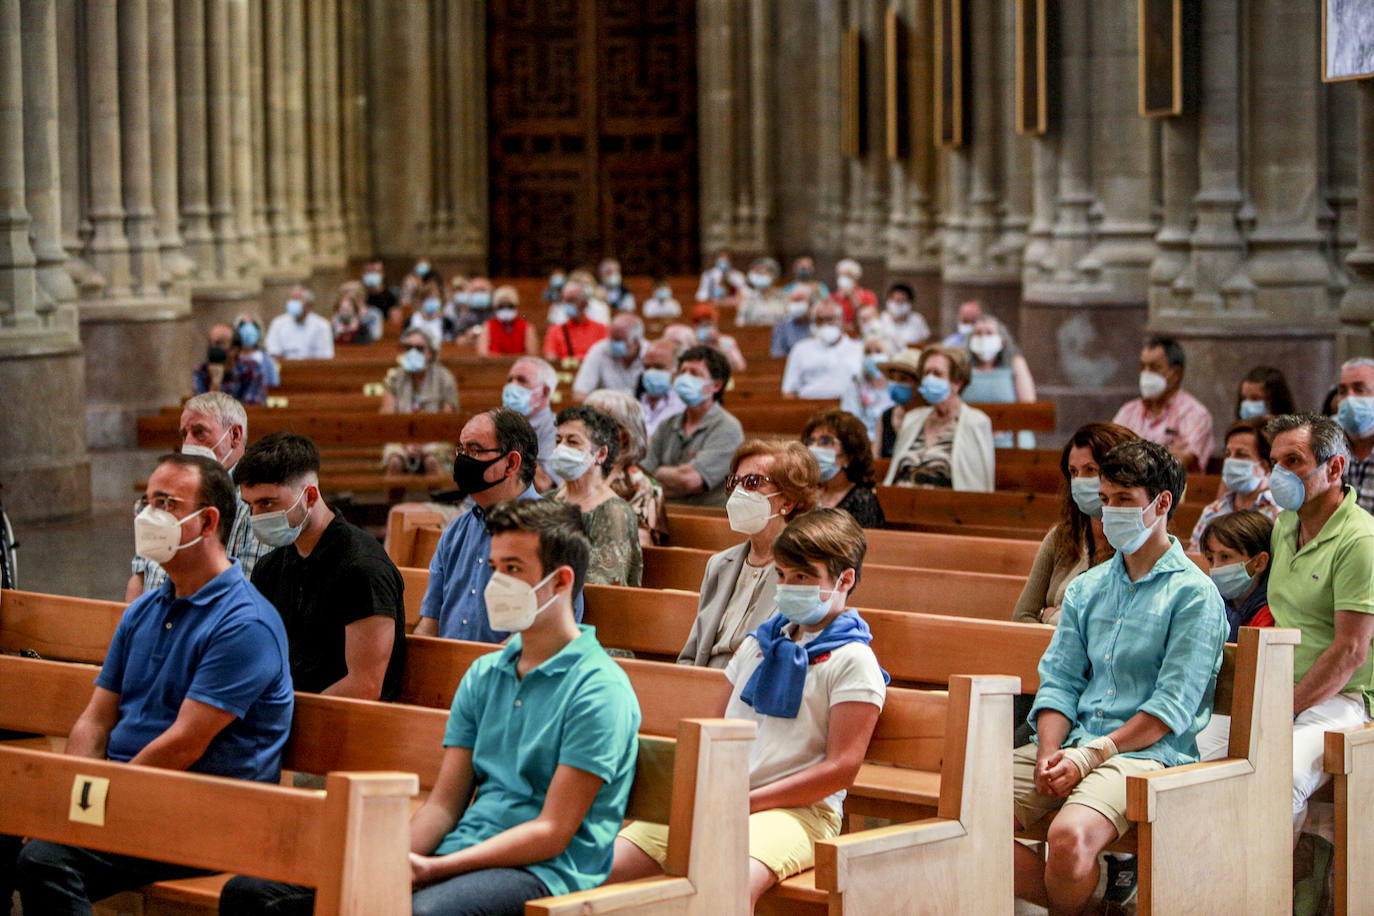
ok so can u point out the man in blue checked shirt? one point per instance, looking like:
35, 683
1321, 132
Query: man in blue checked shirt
1126, 684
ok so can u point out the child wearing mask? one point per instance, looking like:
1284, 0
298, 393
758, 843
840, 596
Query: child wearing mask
806, 676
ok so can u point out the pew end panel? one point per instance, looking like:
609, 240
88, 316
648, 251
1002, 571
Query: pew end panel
707, 871
1240, 803
1349, 758
349, 842
959, 861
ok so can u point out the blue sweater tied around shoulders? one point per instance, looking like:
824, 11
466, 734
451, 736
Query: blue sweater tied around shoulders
775, 687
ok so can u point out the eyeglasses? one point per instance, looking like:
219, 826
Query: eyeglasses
823, 441
748, 481
164, 503
473, 450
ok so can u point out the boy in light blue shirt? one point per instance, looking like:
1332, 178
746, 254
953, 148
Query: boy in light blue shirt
1126, 683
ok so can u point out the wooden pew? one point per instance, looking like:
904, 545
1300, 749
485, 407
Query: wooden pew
1349, 758
351, 843
898, 588
1241, 802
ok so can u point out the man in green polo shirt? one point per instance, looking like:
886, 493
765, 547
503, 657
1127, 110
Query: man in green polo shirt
544, 732
1322, 583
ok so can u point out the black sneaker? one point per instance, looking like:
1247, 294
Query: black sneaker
1121, 880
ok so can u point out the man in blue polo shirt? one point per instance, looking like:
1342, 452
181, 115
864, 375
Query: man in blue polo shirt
496, 461
197, 678
541, 738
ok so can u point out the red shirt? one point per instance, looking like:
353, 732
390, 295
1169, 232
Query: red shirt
853, 300
505, 342
582, 334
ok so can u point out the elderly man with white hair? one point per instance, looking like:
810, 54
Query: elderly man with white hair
215, 426
616, 362
300, 333
848, 294
530, 386
1354, 404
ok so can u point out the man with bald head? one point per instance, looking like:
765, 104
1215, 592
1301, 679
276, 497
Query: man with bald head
213, 426
656, 394
615, 362
300, 333
225, 370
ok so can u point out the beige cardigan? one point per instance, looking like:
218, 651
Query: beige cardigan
972, 463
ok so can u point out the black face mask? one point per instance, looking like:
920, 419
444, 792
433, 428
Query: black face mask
216, 356
468, 473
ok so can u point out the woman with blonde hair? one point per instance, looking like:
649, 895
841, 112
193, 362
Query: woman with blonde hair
769, 484
627, 479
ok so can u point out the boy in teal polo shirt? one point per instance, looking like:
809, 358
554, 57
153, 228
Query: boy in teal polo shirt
544, 732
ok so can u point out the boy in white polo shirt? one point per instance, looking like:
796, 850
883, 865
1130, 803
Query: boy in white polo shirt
806, 674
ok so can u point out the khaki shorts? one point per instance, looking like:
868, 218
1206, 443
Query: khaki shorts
783, 839
1103, 790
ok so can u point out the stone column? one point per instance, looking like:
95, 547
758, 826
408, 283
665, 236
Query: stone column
162, 140
828, 227
1357, 305
1017, 159
467, 116
42, 187
108, 245
242, 103
757, 195
354, 142
715, 125
195, 186
275, 140
1287, 263
73, 131
1170, 278
43, 461
296, 139
318, 145
398, 128
219, 137
263, 114
333, 214
440, 198
140, 219
1338, 211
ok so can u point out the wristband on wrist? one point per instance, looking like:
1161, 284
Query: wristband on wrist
1088, 757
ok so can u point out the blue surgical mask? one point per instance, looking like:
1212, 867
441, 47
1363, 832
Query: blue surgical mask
934, 389
691, 389
872, 367
703, 332
1250, 409
295, 307
1238, 474
663, 294
1356, 415
431, 306
1231, 580
1288, 488
1125, 527
802, 604
479, 299
249, 334
1087, 496
557, 281
657, 381
272, 528
619, 349
517, 398
372, 279
900, 392
826, 458
413, 360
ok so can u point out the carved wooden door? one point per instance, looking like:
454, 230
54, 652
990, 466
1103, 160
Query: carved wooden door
593, 134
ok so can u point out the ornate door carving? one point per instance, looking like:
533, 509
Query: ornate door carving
593, 134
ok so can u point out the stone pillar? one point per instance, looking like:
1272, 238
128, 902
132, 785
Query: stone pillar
108, 245
756, 196
162, 140
195, 186
440, 198
319, 145
467, 116
715, 125
262, 114
18, 282
219, 141
1357, 305
867, 174
242, 104
827, 233
140, 219
73, 131
1017, 159
333, 215
398, 129
296, 139
42, 187
354, 142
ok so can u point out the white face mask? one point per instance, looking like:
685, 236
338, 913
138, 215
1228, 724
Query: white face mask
512, 604
205, 452
748, 511
569, 463
985, 346
845, 282
965, 329
898, 308
797, 308
157, 533
828, 334
1152, 384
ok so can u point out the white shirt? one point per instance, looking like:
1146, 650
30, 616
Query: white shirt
670, 405
655, 307
819, 372
785, 746
714, 280
312, 338
601, 369
435, 325
906, 333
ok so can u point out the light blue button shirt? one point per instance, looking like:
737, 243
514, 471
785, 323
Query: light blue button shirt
1124, 647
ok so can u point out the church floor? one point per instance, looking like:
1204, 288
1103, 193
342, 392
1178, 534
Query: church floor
87, 558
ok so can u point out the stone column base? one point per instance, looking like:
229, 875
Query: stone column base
44, 468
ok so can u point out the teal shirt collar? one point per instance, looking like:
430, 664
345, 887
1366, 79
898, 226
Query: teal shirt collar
563, 659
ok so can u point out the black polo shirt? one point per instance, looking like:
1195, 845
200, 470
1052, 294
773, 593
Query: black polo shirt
347, 577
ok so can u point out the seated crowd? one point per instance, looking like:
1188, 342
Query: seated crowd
540, 747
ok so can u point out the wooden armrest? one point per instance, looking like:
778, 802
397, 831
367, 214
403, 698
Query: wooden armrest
645, 893
1142, 790
1341, 745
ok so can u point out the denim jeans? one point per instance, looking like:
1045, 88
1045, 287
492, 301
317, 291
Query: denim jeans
56, 880
489, 892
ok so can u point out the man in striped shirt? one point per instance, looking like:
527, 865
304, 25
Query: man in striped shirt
215, 426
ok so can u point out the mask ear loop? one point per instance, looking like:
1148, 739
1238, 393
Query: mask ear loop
540, 584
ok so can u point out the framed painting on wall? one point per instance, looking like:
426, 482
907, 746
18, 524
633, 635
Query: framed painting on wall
1347, 40
949, 73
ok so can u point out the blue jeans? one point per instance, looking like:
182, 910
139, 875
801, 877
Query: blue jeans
56, 880
489, 892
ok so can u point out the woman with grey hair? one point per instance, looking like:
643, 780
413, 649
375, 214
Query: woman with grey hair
641, 491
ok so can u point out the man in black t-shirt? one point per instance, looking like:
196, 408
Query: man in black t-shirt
337, 591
